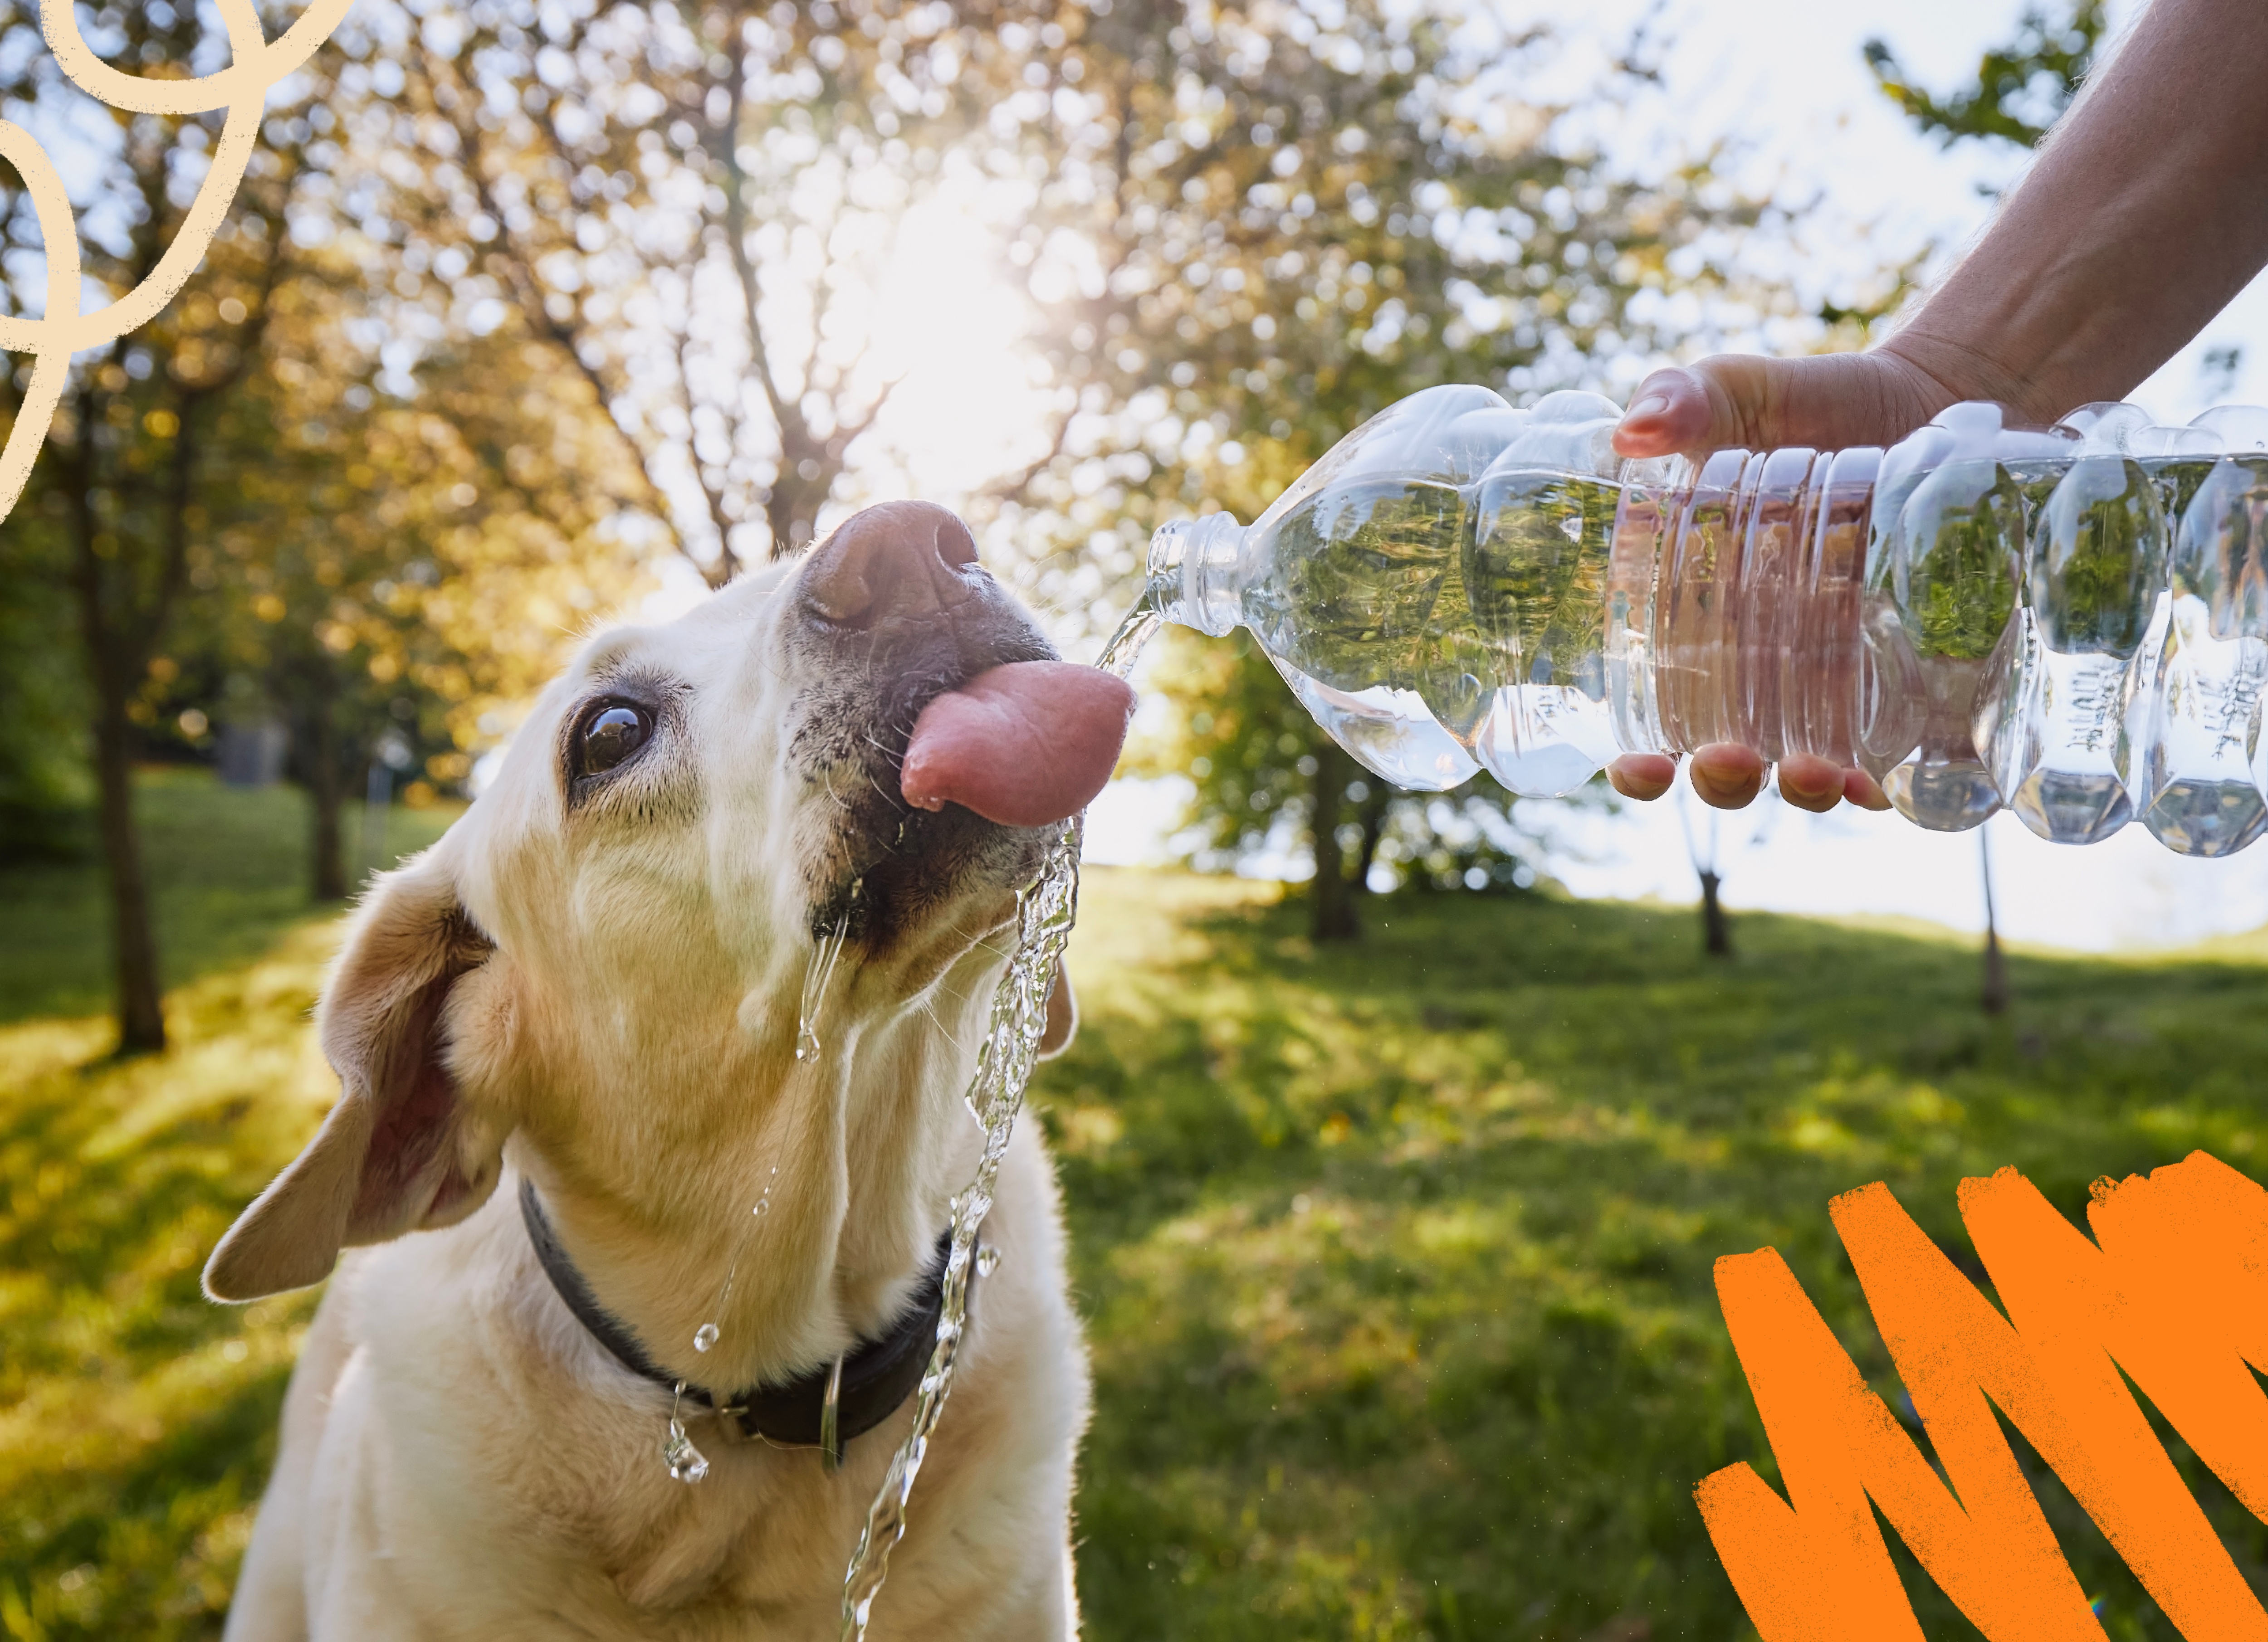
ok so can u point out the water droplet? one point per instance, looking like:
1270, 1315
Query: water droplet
815, 976
762, 1205
705, 1337
686, 1462
988, 1261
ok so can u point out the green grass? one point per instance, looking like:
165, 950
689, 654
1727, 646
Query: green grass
228, 868
138, 1422
1395, 1258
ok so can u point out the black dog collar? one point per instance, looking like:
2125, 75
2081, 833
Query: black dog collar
876, 1377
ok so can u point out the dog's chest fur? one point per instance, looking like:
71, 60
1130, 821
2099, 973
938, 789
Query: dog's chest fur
487, 1470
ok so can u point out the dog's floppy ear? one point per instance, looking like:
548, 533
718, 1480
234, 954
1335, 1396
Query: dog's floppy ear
400, 1151
1063, 1017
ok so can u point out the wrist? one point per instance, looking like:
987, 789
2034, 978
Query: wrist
1926, 372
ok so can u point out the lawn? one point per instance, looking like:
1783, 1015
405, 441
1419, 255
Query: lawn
1395, 1258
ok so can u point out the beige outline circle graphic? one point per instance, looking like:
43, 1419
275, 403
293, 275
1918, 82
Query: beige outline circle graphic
241, 89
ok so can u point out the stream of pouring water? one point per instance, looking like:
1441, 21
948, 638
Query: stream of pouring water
1046, 909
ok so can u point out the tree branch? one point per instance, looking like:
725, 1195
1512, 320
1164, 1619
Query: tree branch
529, 291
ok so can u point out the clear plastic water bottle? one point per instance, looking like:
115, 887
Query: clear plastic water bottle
2071, 622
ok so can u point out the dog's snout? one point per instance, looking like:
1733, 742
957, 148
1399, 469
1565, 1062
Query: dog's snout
897, 562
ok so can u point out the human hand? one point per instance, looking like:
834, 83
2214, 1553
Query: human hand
1829, 401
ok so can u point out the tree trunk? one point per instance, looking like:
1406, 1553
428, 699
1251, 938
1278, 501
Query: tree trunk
1373, 816
1716, 928
141, 1000
328, 866
114, 667
1335, 912
1994, 997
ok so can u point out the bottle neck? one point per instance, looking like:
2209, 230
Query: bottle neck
1193, 577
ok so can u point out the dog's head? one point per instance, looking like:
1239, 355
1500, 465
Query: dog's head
609, 950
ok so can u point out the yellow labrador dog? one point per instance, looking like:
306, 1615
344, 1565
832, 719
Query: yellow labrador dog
566, 1037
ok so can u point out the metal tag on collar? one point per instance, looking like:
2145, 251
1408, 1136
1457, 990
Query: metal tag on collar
830, 1427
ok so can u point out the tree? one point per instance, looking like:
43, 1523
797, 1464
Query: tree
45, 792
1708, 867
119, 496
397, 569
2021, 89
224, 497
693, 207
1994, 995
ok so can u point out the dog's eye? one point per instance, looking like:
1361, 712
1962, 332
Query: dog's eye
610, 736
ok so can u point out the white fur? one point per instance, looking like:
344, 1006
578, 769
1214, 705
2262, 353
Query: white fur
459, 1458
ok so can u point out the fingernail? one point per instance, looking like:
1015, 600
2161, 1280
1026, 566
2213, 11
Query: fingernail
1651, 405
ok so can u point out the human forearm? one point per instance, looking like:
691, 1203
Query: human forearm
2145, 213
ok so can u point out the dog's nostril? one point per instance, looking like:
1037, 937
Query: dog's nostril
896, 561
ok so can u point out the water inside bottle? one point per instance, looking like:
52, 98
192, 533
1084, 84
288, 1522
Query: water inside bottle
2200, 780
1979, 616
1438, 629
2200, 795
2096, 551
1535, 574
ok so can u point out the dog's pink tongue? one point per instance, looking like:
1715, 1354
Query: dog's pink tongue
1023, 744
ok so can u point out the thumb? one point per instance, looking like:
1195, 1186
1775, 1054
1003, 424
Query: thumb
1741, 401
1672, 410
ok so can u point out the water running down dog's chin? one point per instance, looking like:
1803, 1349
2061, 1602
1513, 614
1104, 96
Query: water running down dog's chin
924, 867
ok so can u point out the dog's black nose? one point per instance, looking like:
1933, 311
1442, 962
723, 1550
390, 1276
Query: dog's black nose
895, 562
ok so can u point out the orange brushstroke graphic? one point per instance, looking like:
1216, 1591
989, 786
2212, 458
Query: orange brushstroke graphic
2173, 1289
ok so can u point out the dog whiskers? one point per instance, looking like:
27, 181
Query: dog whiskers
930, 1009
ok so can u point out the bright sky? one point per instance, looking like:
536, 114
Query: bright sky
1784, 80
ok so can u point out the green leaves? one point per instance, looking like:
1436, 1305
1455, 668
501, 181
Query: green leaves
2021, 89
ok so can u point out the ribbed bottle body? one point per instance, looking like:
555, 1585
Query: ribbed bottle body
1436, 589
2072, 622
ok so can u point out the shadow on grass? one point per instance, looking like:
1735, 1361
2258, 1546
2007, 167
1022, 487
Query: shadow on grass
228, 868
148, 1546
1396, 1256
138, 1420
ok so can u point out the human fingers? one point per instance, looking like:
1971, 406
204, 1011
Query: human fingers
1669, 413
1811, 783
1644, 776
1858, 788
1726, 776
